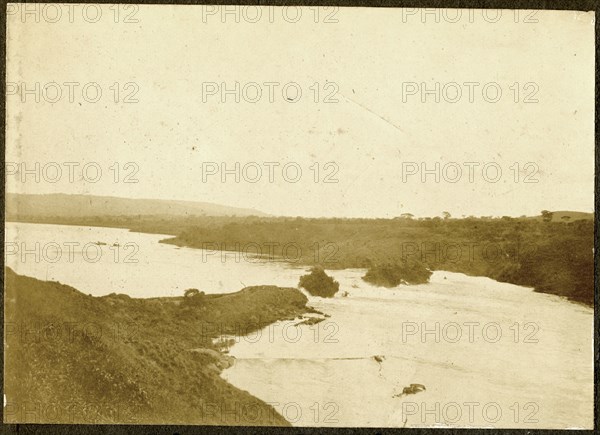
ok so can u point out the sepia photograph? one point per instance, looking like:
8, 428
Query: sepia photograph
299, 216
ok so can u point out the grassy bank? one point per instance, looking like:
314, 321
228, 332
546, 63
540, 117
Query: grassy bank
74, 358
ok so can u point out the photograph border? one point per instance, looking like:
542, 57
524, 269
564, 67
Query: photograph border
582, 5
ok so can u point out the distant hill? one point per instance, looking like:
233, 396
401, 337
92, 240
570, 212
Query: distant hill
78, 206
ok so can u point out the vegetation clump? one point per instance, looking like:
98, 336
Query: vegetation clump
396, 273
318, 283
194, 298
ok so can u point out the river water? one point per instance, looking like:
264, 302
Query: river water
489, 354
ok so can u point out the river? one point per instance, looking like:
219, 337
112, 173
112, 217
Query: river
489, 354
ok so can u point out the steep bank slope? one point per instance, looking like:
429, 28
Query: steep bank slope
73, 358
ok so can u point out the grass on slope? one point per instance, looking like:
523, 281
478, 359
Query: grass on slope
73, 358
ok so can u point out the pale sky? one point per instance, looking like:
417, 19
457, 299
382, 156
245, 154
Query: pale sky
372, 61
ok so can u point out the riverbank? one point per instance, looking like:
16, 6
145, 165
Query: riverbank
550, 257
74, 358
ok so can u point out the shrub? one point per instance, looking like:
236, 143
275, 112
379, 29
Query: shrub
393, 274
193, 298
318, 283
